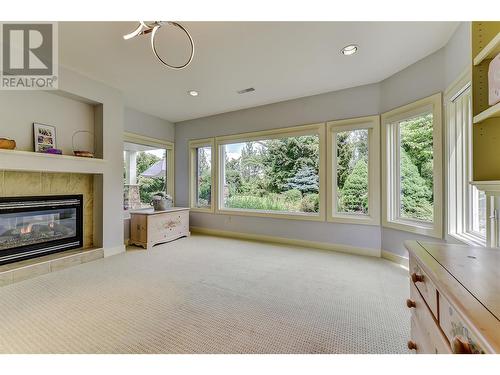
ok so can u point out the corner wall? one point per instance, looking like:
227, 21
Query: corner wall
110, 183
426, 77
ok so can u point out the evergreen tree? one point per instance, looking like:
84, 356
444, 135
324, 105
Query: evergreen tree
283, 158
354, 194
345, 151
416, 196
204, 177
306, 180
417, 142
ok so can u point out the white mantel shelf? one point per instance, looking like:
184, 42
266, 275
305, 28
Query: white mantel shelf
39, 162
488, 186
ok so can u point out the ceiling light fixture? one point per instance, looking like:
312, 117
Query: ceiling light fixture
351, 49
153, 27
193, 93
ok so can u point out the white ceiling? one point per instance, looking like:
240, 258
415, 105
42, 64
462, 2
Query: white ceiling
281, 60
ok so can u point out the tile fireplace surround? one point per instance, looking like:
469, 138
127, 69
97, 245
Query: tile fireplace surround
17, 183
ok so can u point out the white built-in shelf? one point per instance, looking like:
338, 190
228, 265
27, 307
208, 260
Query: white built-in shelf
40, 162
493, 111
489, 51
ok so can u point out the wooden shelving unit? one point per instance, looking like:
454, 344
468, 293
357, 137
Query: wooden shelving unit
489, 51
486, 118
493, 111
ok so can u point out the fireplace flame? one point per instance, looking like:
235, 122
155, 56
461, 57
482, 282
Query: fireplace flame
27, 229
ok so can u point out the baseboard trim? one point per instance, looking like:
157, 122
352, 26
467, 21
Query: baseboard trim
398, 259
288, 241
110, 251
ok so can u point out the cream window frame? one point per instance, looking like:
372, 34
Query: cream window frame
312, 129
391, 167
459, 162
372, 124
193, 147
159, 143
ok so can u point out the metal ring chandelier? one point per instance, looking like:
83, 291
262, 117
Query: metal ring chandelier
152, 28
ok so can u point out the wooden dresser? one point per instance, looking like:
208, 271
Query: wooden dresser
149, 227
454, 298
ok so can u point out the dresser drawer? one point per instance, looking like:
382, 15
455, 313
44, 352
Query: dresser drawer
419, 341
456, 330
436, 341
424, 285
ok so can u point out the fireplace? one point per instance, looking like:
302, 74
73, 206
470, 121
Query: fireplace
35, 226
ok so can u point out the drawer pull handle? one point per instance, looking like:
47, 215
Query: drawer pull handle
412, 345
417, 278
410, 303
459, 345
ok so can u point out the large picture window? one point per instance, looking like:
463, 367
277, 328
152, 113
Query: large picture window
202, 185
412, 171
272, 173
353, 160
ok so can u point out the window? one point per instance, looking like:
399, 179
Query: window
275, 173
466, 204
201, 175
147, 170
353, 159
412, 170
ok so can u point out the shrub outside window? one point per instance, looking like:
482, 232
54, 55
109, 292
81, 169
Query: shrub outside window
275, 173
353, 163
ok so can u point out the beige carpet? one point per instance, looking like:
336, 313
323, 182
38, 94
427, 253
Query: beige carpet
211, 295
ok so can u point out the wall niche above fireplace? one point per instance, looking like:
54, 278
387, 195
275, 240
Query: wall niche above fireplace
36, 226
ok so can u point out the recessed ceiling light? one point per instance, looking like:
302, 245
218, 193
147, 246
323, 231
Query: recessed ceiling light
351, 49
193, 93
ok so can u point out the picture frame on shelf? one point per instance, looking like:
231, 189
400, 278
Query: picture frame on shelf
44, 137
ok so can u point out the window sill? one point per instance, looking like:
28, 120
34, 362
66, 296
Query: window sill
354, 219
272, 214
433, 230
202, 210
469, 239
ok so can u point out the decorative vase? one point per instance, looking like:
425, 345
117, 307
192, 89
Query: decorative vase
161, 203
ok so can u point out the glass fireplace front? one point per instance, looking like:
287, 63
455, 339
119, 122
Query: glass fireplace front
35, 226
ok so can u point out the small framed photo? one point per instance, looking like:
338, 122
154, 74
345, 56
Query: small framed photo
44, 137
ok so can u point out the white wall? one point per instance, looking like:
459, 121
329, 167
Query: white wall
150, 126
458, 53
426, 77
